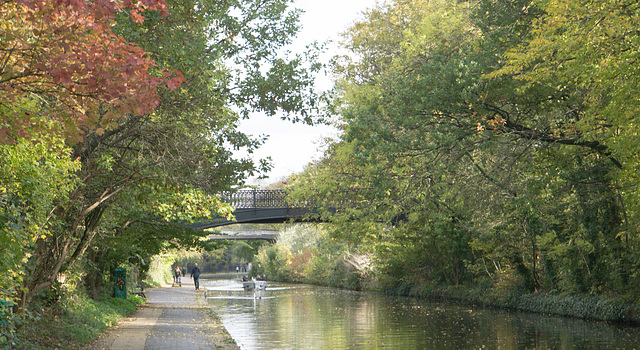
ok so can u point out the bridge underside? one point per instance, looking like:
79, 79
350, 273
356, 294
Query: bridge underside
271, 238
245, 235
259, 216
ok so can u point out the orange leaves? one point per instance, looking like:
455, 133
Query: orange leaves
136, 16
64, 52
497, 122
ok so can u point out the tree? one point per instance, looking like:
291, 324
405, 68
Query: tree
408, 130
586, 48
33, 179
586, 51
63, 74
82, 76
480, 175
145, 177
572, 65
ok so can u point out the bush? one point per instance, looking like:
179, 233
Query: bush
274, 261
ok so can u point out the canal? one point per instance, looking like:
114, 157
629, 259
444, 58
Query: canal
294, 316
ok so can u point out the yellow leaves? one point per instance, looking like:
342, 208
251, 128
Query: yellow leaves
497, 122
186, 204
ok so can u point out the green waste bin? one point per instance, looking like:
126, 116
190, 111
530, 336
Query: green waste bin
120, 283
6, 311
8, 304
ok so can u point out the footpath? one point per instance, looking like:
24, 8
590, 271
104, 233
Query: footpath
175, 318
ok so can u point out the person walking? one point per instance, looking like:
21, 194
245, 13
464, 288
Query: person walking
176, 276
195, 274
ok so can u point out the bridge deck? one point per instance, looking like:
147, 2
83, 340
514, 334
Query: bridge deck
260, 207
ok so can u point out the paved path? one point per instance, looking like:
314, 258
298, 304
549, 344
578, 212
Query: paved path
174, 318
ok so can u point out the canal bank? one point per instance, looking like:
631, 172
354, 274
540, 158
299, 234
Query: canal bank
173, 318
583, 306
299, 316
609, 308
345, 274
599, 307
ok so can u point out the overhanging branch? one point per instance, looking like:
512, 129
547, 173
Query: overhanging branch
533, 134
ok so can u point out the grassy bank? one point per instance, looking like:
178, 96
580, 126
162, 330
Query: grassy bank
71, 323
584, 306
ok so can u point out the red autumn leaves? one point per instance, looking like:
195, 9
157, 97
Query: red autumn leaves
63, 69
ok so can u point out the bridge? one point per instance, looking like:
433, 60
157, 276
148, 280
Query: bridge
246, 234
258, 207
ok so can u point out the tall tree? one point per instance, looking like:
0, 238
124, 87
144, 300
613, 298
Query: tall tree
157, 168
489, 172
577, 57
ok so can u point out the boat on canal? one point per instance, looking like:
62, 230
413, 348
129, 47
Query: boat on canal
254, 285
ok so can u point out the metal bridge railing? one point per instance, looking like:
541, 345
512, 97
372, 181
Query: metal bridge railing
256, 199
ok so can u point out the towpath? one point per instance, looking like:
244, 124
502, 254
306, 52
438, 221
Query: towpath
174, 318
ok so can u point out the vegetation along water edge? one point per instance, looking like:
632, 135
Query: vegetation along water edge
307, 254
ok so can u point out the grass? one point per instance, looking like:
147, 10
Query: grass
72, 323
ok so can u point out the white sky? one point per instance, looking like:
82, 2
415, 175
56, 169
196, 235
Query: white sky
292, 146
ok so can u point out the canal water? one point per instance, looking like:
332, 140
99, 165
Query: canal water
293, 316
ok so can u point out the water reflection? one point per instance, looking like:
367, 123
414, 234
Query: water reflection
308, 317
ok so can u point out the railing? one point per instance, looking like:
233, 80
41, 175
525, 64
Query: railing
256, 199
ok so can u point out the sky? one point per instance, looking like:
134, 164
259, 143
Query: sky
293, 146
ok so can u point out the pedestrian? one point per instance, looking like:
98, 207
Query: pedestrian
195, 274
237, 269
176, 276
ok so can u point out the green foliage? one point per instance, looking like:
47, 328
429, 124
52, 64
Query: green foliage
8, 324
299, 237
34, 177
274, 261
74, 321
580, 306
244, 251
151, 167
586, 46
483, 145
304, 253
159, 273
